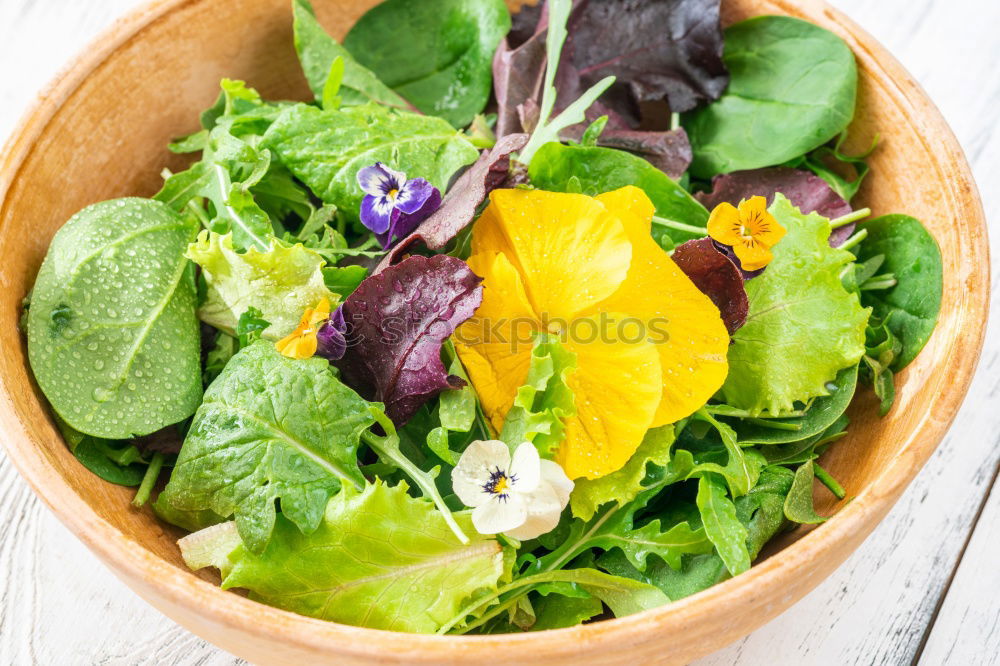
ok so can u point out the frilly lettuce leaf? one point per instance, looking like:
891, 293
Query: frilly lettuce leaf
803, 326
269, 428
379, 559
281, 283
623, 486
397, 321
545, 400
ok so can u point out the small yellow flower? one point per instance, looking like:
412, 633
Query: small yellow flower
750, 230
301, 343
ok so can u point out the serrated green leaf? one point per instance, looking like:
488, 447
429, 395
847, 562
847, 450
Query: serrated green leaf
349, 571
326, 149
803, 327
623, 485
281, 283
742, 467
269, 428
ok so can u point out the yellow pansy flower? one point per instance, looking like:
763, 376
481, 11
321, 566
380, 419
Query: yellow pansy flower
569, 264
750, 230
301, 343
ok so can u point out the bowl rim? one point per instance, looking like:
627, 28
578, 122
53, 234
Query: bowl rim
851, 523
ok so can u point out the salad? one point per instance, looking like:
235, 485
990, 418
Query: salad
542, 319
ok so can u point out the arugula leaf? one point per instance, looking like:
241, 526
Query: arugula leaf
882, 347
317, 52
112, 337
742, 468
446, 71
792, 88
623, 485
599, 170
913, 257
279, 283
798, 504
803, 327
250, 326
325, 149
545, 400
347, 571
555, 611
726, 532
270, 428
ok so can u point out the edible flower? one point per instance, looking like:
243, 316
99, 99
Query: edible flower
750, 230
521, 497
303, 341
650, 347
394, 205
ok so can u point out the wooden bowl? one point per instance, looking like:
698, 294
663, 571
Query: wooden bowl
101, 131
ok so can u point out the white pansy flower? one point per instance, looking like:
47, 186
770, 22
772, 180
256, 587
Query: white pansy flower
521, 497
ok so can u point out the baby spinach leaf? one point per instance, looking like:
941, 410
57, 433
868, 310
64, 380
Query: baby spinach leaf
600, 170
544, 401
799, 502
912, 255
724, 529
623, 485
325, 149
792, 88
821, 413
317, 51
803, 327
270, 428
112, 337
103, 457
279, 283
446, 71
347, 570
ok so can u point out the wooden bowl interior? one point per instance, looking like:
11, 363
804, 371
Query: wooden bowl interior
102, 133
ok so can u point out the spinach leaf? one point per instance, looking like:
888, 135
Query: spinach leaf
723, 527
821, 413
912, 255
347, 570
596, 170
446, 70
270, 428
115, 462
325, 149
318, 50
803, 327
792, 88
112, 337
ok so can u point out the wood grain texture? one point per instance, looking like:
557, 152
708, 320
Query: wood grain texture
60, 606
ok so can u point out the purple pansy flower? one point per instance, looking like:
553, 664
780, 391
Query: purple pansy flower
394, 205
331, 338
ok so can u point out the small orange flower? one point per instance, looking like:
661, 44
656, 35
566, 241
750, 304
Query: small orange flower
750, 230
301, 343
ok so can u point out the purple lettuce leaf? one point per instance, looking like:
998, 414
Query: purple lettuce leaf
459, 206
717, 277
396, 323
807, 191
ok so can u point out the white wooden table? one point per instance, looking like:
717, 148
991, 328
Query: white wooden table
924, 587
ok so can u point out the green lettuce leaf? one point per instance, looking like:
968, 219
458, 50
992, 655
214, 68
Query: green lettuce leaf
379, 558
447, 69
270, 428
803, 326
317, 50
545, 400
281, 283
112, 335
625, 484
326, 148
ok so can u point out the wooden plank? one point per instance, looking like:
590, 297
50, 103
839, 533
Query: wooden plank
967, 630
877, 608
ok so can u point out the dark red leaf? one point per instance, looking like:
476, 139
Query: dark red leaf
717, 277
396, 323
807, 191
462, 201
